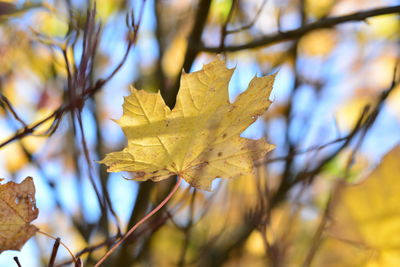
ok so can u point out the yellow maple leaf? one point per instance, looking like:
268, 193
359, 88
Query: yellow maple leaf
17, 210
199, 139
366, 219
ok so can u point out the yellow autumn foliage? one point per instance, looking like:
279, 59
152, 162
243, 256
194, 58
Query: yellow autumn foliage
385, 26
366, 220
318, 43
318, 8
199, 139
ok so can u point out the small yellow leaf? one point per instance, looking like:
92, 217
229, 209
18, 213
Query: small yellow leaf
319, 43
199, 139
255, 244
51, 24
14, 157
17, 210
318, 8
385, 26
174, 55
349, 112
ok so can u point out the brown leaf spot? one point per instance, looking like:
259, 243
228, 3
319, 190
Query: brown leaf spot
201, 165
224, 135
140, 174
219, 154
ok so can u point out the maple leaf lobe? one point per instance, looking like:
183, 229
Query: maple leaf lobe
199, 139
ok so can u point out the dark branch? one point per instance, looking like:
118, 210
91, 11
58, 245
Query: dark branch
17, 261
54, 252
191, 52
299, 32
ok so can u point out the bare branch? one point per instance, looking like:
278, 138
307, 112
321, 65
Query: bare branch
299, 32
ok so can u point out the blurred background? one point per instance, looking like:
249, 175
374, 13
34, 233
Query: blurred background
65, 68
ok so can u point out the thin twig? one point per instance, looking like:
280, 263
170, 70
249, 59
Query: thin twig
364, 123
316, 240
145, 218
186, 230
305, 151
224, 28
70, 106
251, 24
8, 106
152, 227
134, 29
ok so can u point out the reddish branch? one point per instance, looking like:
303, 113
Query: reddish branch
7, 105
77, 99
145, 218
57, 114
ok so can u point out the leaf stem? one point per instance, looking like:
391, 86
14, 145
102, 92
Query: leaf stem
145, 218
